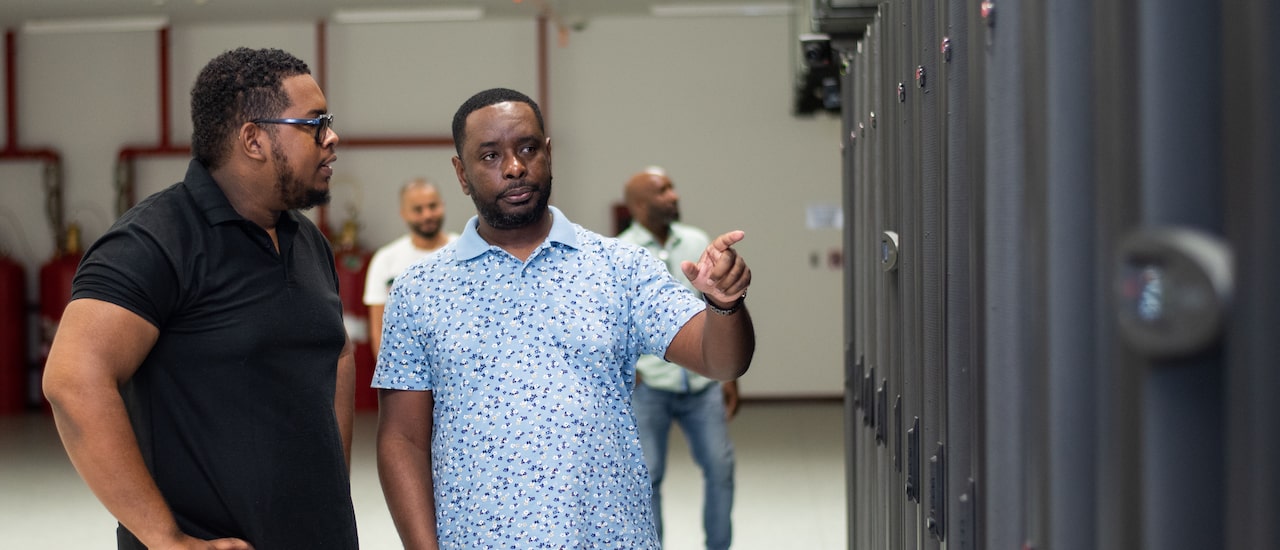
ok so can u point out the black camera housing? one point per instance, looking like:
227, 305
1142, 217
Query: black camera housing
818, 84
816, 50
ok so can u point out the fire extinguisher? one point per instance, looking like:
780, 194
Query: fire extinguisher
353, 265
13, 336
55, 292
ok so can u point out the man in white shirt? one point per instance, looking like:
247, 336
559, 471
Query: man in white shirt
422, 209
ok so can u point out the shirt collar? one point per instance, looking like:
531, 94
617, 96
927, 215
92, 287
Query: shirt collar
470, 244
208, 197
645, 238
213, 202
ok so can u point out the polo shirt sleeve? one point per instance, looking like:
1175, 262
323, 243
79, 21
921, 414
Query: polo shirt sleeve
660, 306
402, 362
128, 267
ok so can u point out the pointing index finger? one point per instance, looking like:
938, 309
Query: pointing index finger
727, 240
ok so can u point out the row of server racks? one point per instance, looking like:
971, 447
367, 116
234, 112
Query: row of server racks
1062, 323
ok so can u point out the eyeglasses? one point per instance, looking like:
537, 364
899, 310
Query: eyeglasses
322, 124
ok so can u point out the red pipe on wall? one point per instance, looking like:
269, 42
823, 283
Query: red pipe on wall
12, 152
127, 155
11, 149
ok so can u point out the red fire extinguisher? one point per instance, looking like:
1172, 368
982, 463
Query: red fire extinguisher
55, 292
13, 337
353, 265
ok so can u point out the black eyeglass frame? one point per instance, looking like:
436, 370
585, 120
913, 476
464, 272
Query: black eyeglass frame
322, 124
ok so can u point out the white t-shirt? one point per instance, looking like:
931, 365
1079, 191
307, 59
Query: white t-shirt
388, 262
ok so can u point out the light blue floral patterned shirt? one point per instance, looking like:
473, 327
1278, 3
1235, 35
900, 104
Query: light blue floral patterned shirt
531, 365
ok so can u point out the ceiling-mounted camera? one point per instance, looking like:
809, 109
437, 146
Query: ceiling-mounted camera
816, 50
818, 82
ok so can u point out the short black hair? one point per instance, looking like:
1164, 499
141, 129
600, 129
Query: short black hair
233, 88
484, 99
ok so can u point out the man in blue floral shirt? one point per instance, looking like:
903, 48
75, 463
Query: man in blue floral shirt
508, 358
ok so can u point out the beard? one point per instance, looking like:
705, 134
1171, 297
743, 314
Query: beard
493, 215
671, 216
426, 231
292, 191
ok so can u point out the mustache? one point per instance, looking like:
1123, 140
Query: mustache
517, 188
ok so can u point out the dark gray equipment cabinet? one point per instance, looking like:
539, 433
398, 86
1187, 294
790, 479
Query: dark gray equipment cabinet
1060, 314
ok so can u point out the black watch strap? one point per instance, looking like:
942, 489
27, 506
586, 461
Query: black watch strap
722, 311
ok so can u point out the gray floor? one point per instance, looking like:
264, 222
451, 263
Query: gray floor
790, 485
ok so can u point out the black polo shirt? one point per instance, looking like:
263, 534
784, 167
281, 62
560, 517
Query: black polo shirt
233, 407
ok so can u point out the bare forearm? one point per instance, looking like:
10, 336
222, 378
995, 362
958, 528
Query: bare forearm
101, 444
728, 344
344, 401
405, 473
375, 328
99, 347
404, 464
716, 346
719, 342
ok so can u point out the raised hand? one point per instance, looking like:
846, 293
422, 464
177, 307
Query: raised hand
720, 274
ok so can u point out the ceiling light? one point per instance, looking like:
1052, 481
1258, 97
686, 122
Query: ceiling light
719, 10
407, 15
97, 24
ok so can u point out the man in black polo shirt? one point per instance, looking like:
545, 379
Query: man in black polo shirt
201, 379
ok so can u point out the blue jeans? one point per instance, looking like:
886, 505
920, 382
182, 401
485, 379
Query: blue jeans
701, 418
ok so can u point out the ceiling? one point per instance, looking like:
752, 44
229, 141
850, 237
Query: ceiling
14, 13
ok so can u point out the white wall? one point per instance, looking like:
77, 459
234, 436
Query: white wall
709, 99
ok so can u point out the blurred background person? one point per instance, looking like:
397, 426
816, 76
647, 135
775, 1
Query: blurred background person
422, 209
666, 392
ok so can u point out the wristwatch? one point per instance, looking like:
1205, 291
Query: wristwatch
722, 311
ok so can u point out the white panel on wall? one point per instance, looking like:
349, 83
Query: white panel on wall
83, 95
193, 46
152, 174
710, 100
395, 79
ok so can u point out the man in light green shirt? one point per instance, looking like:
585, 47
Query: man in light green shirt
667, 393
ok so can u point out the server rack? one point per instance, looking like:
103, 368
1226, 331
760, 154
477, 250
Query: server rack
1060, 315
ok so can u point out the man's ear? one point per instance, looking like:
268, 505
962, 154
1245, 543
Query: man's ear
252, 141
461, 171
